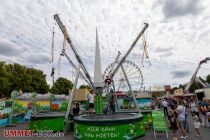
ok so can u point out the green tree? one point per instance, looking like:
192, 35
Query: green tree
16, 77
204, 81
208, 78
84, 86
62, 86
174, 88
38, 81
4, 82
3, 87
194, 86
181, 86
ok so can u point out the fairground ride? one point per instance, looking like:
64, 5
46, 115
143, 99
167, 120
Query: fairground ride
104, 126
194, 78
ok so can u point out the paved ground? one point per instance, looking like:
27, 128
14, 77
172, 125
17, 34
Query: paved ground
149, 134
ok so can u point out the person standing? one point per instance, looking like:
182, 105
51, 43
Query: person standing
91, 99
172, 117
165, 107
108, 80
173, 103
28, 114
181, 111
112, 103
186, 124
193, 107
204, 110
76, 109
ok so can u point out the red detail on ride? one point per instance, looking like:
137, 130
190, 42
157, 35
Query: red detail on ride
119, 93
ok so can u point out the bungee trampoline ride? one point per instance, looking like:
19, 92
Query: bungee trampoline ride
126, 122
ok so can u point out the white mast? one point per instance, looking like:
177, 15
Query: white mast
98, 79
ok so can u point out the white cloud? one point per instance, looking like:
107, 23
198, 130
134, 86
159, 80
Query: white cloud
180, 73
181, 8
9, 48
177, 37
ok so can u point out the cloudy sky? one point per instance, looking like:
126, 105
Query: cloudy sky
178, 36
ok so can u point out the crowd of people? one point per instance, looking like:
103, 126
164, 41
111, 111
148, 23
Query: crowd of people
177, 110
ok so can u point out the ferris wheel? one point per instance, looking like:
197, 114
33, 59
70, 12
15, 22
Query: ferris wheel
129, 71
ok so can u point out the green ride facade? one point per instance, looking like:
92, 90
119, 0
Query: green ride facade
109, 126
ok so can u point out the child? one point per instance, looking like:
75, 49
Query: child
28, 114
197, 123
91, 100
172, 117
76, 109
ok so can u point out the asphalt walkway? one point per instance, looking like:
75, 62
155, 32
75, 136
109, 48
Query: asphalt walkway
205, 132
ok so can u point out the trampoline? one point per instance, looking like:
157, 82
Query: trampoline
47, 121
109, 126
